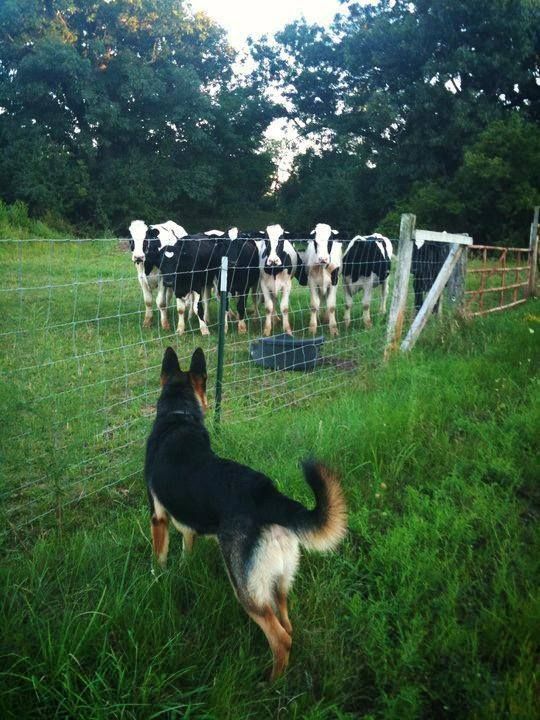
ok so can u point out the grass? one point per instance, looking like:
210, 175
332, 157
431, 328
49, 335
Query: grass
428, 610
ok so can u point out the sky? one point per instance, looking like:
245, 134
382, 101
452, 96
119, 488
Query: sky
242, 18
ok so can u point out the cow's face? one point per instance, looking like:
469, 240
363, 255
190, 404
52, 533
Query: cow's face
141, 237
274, 245
322, 243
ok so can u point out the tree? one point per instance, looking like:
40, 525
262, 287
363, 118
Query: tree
124, 108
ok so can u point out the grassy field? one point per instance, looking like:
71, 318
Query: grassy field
428, 610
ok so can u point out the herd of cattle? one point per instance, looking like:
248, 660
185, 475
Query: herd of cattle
173, 263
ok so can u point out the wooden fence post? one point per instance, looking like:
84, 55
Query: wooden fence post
396, 316
433, 295
533, 254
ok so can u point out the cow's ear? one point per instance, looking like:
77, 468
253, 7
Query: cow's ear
152, 234
170, 365
197, 375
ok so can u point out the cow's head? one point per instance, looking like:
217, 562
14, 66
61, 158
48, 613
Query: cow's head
141, 237
274, 245
322, 242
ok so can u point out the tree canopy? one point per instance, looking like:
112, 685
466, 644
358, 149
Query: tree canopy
111, 109
116, 109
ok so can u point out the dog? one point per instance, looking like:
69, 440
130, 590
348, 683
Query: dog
259, 530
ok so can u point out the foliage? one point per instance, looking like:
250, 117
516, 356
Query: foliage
122, 109
405, 89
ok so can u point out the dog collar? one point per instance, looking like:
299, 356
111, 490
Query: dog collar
184, 413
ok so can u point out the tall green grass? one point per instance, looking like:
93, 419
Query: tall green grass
428, 610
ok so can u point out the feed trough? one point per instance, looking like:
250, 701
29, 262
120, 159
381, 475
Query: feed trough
283, 352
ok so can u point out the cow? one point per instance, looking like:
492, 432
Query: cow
189, 268
278, 262
243, 271
145, 245
321, 265
427, 261
366, 264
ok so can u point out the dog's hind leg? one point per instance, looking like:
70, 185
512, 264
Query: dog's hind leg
160, 538
281, 604
160, 532
279, 640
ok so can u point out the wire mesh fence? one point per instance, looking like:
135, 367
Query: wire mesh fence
80, 372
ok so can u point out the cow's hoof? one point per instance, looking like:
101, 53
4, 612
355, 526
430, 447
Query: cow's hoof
334, 332
166, 326
205, 331
242, 329
147, 323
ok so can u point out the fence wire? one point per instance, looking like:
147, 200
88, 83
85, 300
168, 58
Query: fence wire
80, 373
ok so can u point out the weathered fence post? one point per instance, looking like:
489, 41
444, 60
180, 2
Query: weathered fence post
221, 339
433, 295
456, 284
533, 254
401, 284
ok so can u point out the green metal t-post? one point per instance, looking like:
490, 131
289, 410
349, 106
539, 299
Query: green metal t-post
221, 338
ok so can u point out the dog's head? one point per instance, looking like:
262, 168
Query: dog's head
185, 385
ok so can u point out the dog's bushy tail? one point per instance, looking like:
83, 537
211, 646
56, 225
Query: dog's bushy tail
324, 527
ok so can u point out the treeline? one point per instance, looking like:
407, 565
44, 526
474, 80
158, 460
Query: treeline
131, 108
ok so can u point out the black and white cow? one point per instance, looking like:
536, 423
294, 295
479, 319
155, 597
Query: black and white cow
145, 244
427, 261
243, 272
190, 267
278, 265
322, 263
366, 264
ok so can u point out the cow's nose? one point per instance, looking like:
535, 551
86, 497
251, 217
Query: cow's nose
323, 260
138, 259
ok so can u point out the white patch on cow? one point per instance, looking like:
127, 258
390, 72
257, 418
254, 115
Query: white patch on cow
419, 242
387, 244
169, 232
169, 253
214, 233
233, 233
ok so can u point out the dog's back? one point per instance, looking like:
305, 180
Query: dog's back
258, 528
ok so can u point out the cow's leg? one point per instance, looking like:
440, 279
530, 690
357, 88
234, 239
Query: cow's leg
161, 302
366, 301
241, 306
331, 305
147, 295
198, 308
206, 304
314, 304
347, 288
269, 308
284, 306
181, 307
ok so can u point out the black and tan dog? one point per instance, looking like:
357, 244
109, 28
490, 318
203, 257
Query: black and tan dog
258, 529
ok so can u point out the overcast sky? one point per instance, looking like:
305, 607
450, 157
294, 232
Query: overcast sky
258, 17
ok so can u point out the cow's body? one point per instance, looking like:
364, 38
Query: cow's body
321, 265
278, 264
366, 264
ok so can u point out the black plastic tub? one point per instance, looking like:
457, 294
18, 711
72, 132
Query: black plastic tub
283, 352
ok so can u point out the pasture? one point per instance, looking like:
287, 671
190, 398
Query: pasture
429, 608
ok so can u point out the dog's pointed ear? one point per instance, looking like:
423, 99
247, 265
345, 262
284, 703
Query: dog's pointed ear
170, 365
198, 363
197, 375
